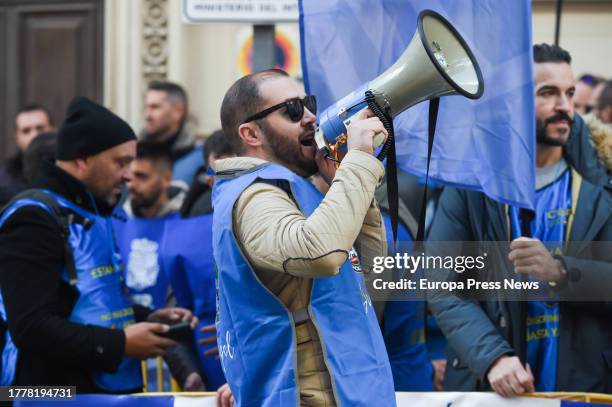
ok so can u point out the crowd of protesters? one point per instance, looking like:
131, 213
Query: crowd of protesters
108, 241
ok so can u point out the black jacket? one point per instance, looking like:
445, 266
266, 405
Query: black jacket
480, 332
199, 197
52, 350
12, 180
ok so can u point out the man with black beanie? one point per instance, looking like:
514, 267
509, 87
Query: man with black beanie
66, 320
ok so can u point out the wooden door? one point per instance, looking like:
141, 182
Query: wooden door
51, 51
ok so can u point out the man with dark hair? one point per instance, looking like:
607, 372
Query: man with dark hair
166, 122
291, 302
150, 194
604, 104
63, 296
516, 347
30, 121
554, 95
578, 151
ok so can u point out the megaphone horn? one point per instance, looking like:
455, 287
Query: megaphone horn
437, 62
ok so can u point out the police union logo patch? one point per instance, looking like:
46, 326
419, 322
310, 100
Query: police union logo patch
143, 266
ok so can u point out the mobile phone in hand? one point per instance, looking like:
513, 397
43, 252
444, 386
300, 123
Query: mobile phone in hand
180, 332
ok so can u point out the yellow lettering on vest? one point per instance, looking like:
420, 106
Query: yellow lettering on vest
540, 319
539, 334
102, 271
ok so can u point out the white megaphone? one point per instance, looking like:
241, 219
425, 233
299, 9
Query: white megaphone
437, 62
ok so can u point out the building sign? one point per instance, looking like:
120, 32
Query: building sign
248, 11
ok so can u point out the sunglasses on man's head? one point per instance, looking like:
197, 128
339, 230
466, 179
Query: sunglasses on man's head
295, 109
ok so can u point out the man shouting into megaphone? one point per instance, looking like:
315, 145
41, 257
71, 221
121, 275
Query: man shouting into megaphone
295, 324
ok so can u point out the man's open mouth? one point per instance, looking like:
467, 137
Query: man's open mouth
308, 141
561, 121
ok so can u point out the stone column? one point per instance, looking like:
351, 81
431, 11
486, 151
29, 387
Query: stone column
122, 61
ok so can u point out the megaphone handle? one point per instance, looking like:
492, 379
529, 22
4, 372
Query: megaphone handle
379, 139
389, 147
386, 120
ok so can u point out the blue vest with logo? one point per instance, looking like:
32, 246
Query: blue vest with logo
102, 296
140, 245
552, 210
256, 333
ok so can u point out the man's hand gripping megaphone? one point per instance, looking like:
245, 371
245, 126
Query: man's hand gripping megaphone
365, 132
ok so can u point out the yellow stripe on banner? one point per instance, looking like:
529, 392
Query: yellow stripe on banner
160, 374
174, 386
145, 376
575, 396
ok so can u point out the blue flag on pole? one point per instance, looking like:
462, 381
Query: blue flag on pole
486, 144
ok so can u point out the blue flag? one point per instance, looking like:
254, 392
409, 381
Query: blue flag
486, 144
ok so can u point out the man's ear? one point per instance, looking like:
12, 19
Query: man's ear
167, 178
179, 112
82, 164
250, 134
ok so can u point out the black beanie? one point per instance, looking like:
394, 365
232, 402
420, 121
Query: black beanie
90, 129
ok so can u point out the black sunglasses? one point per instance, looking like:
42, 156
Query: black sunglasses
295, 109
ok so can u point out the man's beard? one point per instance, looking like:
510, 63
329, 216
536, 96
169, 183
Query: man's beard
288, 152
542, 136
102, 193
140, 202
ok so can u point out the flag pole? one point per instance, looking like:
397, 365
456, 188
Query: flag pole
558, 21
263, 47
